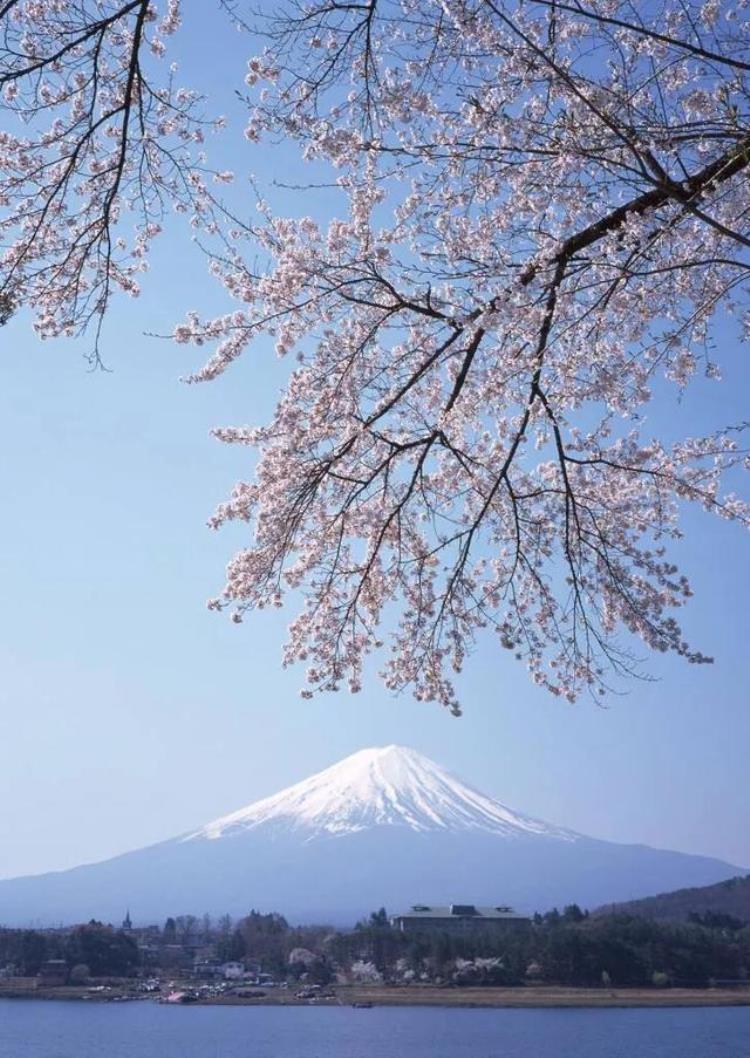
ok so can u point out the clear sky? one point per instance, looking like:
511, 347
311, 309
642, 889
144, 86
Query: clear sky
129, 713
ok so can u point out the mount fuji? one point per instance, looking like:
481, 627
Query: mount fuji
385, 826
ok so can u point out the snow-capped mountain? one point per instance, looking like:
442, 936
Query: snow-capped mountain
385, 786
384, 827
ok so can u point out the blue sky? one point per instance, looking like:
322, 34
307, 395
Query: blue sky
129, 713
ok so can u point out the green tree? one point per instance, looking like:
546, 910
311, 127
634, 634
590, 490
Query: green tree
231, 947
103, 949
33, 952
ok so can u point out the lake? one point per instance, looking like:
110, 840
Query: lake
39, 1029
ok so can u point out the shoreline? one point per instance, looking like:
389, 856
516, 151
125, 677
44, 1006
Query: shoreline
534, 997
509, 998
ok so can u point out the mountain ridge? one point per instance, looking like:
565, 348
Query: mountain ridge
729, 897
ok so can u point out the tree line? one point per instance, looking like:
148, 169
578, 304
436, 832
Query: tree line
568, 947
104, 951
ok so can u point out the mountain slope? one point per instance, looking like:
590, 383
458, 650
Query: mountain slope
382, 827
389, 786
730, 897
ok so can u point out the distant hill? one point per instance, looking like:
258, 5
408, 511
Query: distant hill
731, 897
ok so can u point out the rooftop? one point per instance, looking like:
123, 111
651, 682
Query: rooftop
452, 911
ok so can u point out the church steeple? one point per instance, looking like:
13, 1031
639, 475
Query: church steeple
126, 922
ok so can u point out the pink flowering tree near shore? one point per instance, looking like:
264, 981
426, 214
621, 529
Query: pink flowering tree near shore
544, 208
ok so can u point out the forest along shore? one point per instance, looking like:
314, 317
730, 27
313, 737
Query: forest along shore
416, 995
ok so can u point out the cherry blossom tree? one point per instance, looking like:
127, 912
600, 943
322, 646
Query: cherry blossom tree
94, 138
545, 208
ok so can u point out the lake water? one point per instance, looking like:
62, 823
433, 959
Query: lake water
39, 1029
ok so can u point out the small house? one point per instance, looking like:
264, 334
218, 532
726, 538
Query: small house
233, 971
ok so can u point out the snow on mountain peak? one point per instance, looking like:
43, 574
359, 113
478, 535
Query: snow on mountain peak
380, 786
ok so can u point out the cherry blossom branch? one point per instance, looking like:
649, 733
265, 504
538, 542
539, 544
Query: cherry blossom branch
544, 208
